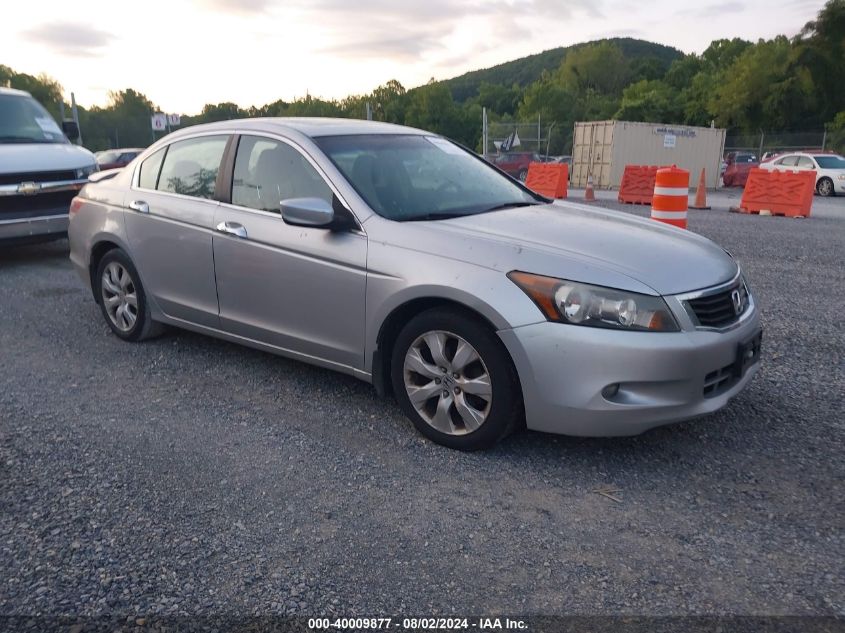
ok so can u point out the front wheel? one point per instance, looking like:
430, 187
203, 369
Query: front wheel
122, 299
454, 379
523, 175
825, 187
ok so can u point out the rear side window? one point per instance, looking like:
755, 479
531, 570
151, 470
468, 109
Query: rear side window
190, 167
788, 161
805, 161
149, 169
269, 171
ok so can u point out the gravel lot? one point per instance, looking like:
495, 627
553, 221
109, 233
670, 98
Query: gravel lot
190, 476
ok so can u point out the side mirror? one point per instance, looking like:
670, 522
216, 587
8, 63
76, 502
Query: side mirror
314, 212
71, 129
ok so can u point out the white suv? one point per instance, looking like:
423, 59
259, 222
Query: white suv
829, 168
40, 170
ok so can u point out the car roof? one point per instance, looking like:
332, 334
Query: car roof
14, 91
308, 126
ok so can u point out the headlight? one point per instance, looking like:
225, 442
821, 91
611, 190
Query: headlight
582, 304
841, 176
84, 172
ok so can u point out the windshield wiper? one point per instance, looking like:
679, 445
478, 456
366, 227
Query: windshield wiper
22, 139
510, 205
435, 216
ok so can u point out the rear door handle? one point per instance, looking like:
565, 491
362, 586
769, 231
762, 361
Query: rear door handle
232, 228
140, 206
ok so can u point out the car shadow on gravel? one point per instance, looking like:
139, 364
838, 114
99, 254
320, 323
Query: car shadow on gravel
684, 447
55, 254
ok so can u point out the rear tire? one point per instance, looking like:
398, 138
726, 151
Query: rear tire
465, 388
825, 187
523, 175
122, 298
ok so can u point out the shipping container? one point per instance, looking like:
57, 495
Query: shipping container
603, 148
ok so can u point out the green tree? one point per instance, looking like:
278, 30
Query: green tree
653, 101
431, 108
601, 68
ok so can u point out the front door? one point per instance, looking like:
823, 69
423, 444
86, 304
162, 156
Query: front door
170, 222
298, 288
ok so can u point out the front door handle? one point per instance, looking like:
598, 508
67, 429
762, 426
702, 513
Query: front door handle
140, 206
232, 228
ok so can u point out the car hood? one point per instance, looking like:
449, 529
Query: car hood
579, 243
32, 157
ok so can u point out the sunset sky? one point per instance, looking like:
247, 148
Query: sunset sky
185, 53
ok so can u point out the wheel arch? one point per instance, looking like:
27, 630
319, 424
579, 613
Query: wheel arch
397, 318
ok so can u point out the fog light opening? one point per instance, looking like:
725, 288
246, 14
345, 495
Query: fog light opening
610, 391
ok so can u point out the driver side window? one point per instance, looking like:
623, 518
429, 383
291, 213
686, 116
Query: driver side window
269, 171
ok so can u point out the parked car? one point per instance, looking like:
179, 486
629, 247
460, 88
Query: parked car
829, 168
516, 163
477, 303
737, 166
116, 158
40, 170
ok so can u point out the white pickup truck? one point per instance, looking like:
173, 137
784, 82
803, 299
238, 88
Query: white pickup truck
40, 170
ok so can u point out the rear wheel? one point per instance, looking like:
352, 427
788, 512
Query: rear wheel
825, 187
523, 175
122, 299
454, 379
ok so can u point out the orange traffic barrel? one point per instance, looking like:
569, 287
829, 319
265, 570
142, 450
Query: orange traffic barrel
671, 196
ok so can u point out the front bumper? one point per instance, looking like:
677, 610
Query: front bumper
34, 227
662, 376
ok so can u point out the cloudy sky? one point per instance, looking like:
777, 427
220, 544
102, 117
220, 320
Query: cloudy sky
184, 53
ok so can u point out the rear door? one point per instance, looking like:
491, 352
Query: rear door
787, 162
170, 223
298, 288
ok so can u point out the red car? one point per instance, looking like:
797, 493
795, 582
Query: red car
114, 158
738, 166
516, 163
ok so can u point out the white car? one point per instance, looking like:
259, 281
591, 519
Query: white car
829, 168
40, 170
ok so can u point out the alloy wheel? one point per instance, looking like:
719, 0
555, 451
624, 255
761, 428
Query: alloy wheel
825, 187
447, 382
119, 296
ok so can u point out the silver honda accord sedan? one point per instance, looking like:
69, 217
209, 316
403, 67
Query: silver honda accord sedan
400, 258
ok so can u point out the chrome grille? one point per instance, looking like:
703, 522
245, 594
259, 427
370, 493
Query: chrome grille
37, 176
719, 309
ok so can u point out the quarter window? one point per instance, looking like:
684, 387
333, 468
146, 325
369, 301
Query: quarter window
190, 167
150, 169
268, 171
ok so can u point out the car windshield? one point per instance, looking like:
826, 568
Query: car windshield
830, 162
408, 177
108, 157
24, 120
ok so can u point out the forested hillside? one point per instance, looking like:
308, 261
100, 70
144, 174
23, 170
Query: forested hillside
781, 84
526, 70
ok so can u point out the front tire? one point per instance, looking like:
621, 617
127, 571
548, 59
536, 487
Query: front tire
122, 298
523, 175
825, 187
454, 379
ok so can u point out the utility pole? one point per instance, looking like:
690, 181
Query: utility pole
75, 117
484, 131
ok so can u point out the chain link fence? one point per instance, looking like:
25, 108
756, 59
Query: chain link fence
509, 136
774, 142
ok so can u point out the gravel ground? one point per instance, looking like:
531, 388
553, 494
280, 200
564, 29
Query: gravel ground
190, 476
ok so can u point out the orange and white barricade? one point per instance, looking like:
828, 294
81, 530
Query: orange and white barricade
671, 196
